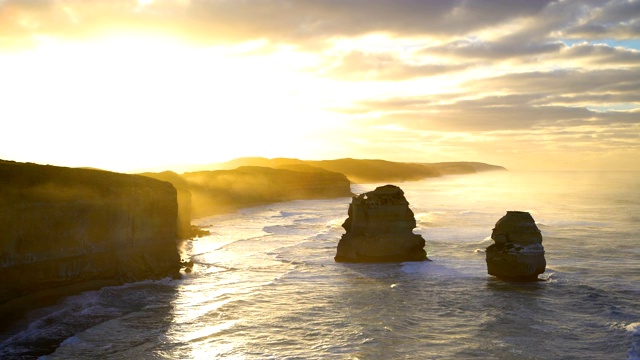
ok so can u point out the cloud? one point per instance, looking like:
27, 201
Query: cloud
536, 25
612, 19
563, 82
477, 77
601, 54
531, 100
494, 50
277, 20
300, 20
542, 35
25, 23
357, 65
469, 118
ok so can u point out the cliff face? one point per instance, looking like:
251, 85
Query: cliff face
225, 190
60, 226
380, 229
184, 200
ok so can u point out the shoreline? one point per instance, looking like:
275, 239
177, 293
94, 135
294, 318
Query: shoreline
18, 313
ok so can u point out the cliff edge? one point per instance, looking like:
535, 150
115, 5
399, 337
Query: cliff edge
219, 191
61, 226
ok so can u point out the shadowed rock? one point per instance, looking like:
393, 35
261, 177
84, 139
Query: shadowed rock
380, 229
518, 253
63, 226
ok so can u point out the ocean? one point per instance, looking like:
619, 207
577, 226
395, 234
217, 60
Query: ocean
264, 284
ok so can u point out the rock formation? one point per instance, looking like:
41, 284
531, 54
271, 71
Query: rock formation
517, 253
61, 226
380, 229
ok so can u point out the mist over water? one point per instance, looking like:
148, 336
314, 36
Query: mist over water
264, 283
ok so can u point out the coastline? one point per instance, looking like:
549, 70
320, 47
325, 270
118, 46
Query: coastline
18, 313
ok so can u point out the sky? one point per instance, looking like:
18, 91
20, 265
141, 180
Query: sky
152, 84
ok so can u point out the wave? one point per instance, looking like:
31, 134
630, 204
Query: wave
290, 213
429, 217
60, 324
260, 261
633, 328
334, 224
471, 213
574, 223
273, 229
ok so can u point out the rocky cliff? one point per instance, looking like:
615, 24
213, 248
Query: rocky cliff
60, 226
380, 229
206, 193
227, 190
184, 200
517, 253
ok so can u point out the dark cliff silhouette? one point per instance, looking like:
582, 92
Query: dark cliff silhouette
63, 226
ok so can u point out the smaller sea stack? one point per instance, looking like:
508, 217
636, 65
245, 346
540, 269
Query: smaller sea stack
380, 229
517, 253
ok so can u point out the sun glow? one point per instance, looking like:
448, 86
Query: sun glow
127, 101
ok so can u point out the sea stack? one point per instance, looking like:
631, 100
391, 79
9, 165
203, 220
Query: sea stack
518, 253
380, 229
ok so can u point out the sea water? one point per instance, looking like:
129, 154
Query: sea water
264, 284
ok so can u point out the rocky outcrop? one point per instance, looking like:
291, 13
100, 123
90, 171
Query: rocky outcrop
380, 229
517, 253
61, 226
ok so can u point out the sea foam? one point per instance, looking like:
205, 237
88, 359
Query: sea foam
633, 328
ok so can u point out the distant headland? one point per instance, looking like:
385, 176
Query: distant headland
252, 181
361, 170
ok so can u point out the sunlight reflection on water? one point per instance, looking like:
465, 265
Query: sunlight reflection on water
298, 300
264, 283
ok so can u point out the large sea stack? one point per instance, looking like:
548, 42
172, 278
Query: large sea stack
517, 253
380, 229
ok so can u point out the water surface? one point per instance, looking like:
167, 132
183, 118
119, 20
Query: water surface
265, 286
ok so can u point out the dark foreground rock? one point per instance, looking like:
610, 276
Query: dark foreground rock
380, 229
62, 226
518, 253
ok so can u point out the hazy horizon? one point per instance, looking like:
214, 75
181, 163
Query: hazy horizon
182, 168
157, 84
